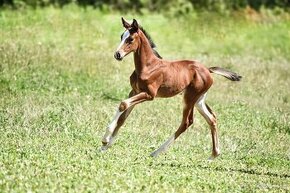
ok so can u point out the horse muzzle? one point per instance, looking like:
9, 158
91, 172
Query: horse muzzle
118, 56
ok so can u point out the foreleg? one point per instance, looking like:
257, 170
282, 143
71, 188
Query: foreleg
122, 113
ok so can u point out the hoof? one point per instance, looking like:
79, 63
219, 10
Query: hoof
212, 157
104, 148
154, 153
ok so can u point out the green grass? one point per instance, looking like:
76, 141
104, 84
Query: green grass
60, 86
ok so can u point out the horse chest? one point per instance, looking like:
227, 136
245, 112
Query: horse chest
142, 83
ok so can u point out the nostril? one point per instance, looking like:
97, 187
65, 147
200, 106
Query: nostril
118, 55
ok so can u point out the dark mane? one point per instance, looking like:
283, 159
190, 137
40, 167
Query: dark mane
152, 44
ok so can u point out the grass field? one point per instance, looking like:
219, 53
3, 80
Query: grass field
60, 86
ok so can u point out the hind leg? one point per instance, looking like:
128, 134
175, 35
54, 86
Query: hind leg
210, 117
187, 120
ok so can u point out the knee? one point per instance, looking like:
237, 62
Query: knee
123, 106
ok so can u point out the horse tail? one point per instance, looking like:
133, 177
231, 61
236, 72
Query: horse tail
225, 73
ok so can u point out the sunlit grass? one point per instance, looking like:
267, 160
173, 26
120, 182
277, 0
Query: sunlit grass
60, 86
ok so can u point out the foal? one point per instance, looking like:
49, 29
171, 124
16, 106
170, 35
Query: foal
155, 77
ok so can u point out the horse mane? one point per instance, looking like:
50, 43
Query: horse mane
152, 44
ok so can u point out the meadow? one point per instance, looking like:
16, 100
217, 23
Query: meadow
60, 87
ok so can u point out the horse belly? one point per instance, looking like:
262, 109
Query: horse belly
169, 91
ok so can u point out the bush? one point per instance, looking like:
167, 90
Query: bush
178, 6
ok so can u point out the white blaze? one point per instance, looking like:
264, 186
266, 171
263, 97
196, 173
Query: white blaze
126, 34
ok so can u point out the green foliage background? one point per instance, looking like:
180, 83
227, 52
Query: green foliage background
157, 6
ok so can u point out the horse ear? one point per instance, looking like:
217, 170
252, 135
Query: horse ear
125, 23
135, 25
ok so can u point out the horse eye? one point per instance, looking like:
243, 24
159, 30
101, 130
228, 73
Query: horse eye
129, 39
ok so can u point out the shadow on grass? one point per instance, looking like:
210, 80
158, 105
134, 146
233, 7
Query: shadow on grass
109, 97
224, 169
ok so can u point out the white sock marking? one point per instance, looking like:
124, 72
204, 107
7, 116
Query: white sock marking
164, 146
200, 105
108, 135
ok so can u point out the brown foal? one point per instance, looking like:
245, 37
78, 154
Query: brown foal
155, 77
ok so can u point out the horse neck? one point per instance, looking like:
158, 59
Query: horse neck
144, 57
